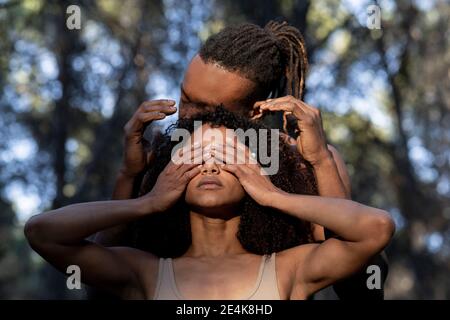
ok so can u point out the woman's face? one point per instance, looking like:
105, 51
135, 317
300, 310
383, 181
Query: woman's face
207, 84
213, 192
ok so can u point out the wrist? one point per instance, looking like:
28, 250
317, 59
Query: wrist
324, 158
276, 198
127, 174
145, 205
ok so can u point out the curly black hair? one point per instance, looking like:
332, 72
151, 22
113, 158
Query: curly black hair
273, 57
262, 230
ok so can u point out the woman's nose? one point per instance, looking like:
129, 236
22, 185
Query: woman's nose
210, 167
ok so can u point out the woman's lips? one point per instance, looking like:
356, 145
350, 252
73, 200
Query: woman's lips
209, 184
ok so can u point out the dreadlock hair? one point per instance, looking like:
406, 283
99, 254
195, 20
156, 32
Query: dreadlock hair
262, 230
274, 57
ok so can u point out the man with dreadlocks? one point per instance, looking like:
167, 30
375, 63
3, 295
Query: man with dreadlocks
259, 73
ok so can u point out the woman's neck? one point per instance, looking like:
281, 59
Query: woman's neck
213, 237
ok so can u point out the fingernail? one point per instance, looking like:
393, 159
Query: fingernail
171, 101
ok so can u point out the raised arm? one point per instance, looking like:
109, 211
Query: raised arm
59, 235
363, 231
135, 160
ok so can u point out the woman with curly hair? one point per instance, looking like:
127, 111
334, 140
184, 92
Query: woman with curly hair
248, 234
261, 230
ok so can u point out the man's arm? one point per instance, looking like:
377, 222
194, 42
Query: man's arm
125, 188
332, 168
134, 162
354, 287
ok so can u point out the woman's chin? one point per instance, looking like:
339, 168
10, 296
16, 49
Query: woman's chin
207, 204
207, 199
215, 207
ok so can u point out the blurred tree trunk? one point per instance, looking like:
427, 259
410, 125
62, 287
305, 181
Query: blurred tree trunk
66, 46
98, 176
417, 206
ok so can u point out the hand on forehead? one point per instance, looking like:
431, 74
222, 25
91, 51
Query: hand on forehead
219, 145
219, 139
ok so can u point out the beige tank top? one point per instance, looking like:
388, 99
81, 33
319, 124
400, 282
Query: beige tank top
265, 288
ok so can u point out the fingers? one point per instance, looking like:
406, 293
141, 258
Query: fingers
257, 112
287, 104
184, 148
163, 106
275, 105
189, 154
221, 153
233, 152
148, 116
149, 111
304, 113
178, 169
307, 107
182, 173
304, 107
233, 169
312, 115
241, 171
190, 150
258, 103
246, 156
190, 174
159, 102
257, 116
